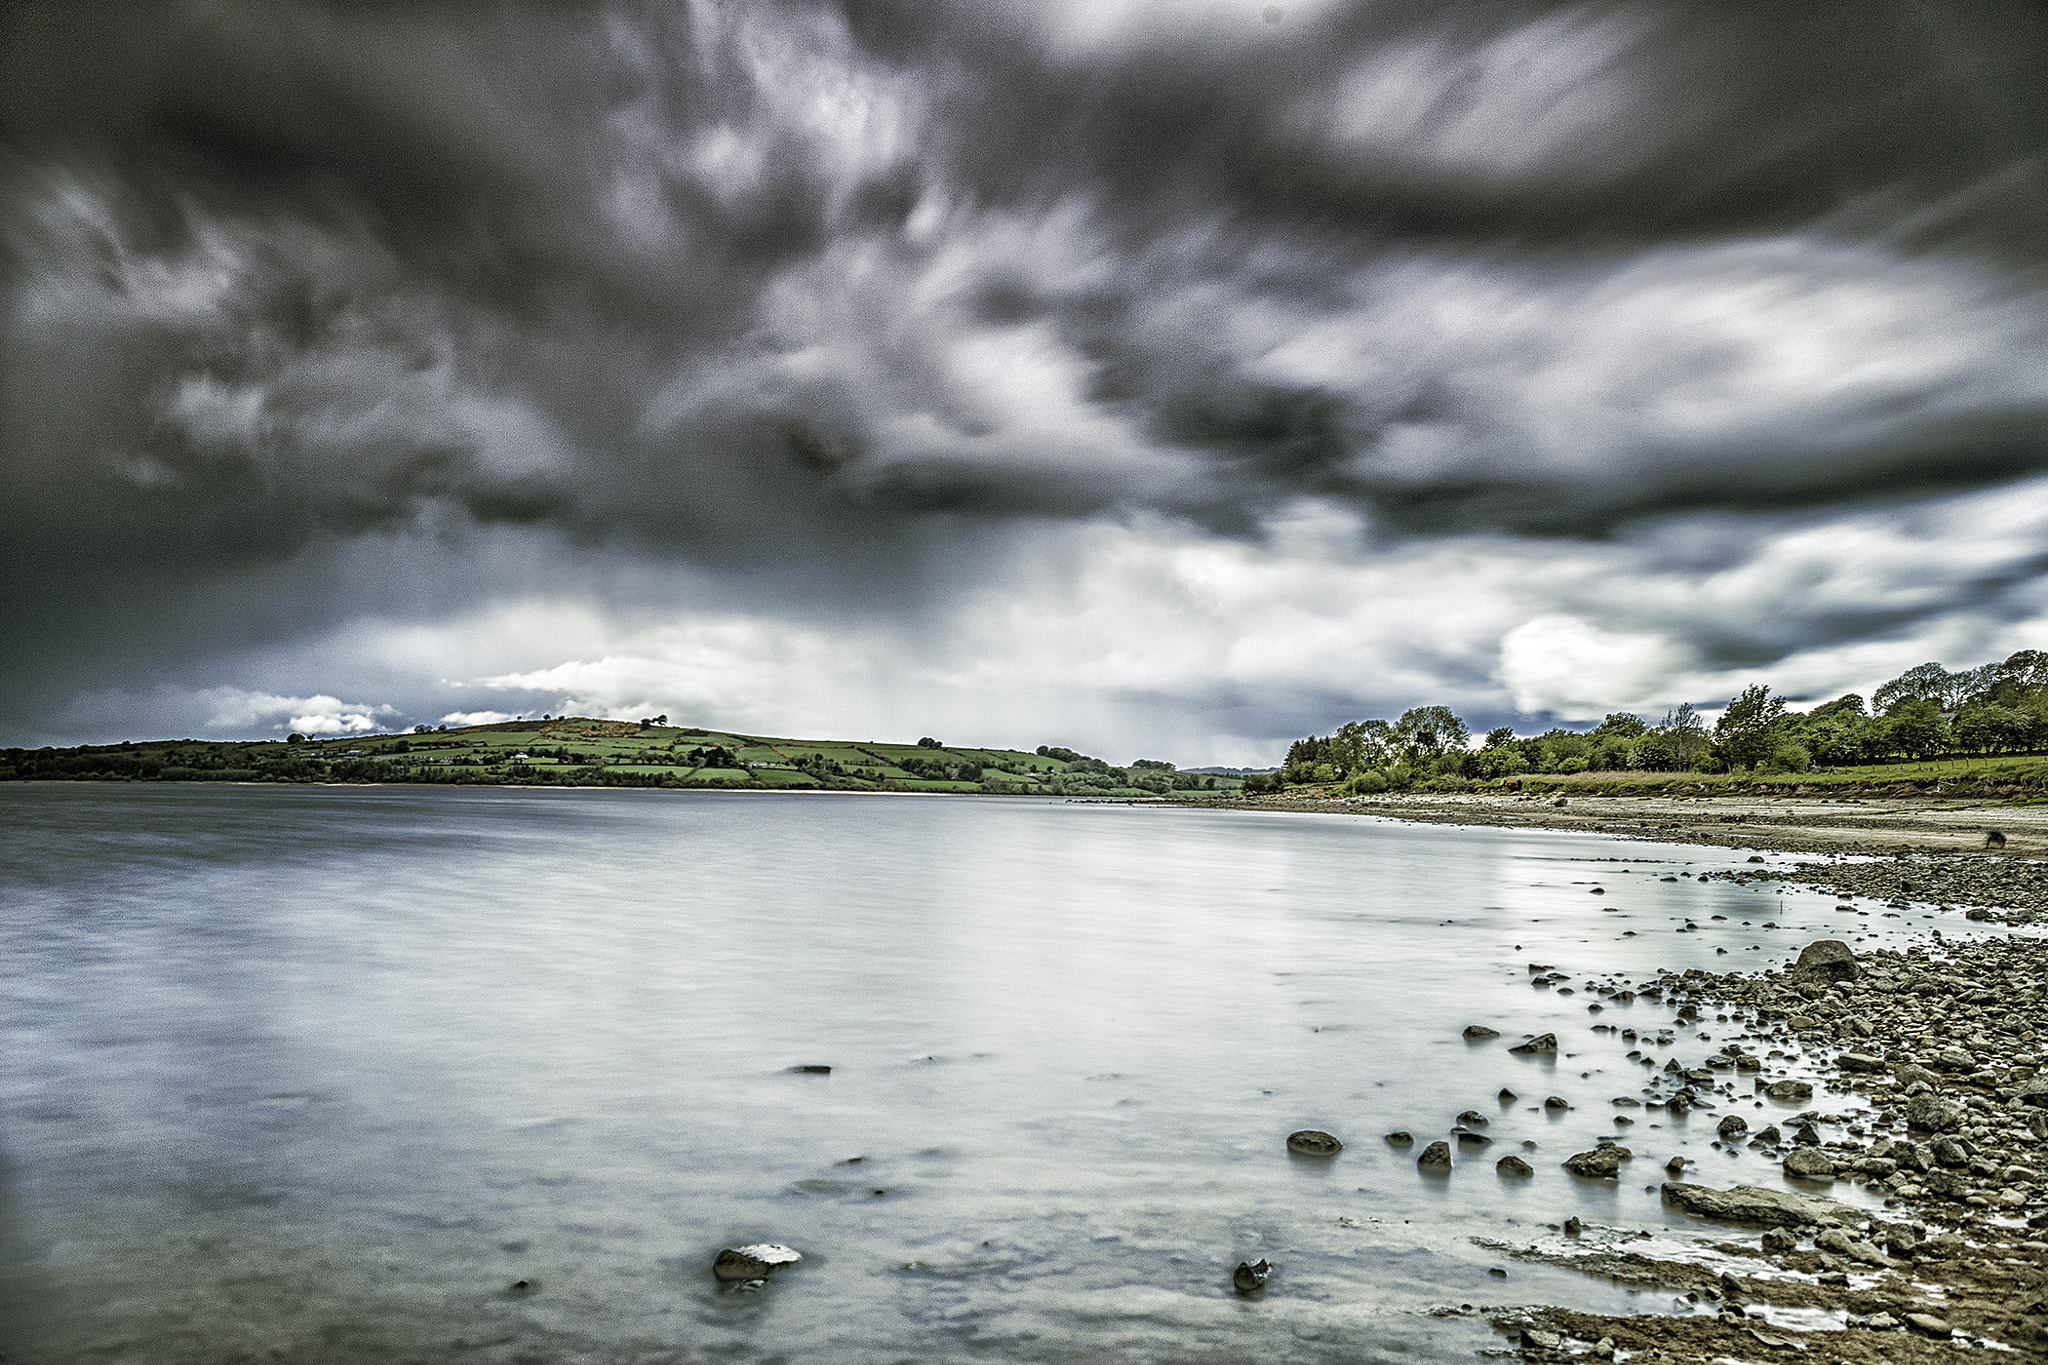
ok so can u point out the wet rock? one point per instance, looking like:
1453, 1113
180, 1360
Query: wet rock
1931, 1113
1313, 1142
1573, 1227
1477, 1032
1809, 1163
1827, 959
1994, 838
1602, 1163
1556, 1102
1250, 1276
1472, 1142
1929, 1325
1435, 1157
1542, 1042
1472, 1118
1507, 1096
1751, 1204
2035, 1092
1768, 1137
812, 1069
1535, 1336
1732, 1127
1859, 1061
754, 1262
1778, 1241
1789, 1090
1514, 1167
1401, 1139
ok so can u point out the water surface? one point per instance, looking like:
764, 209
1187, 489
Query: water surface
319, 1073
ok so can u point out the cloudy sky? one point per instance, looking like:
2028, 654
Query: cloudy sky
1163, 377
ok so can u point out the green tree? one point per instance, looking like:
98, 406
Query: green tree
1620, 725
1751, 728
1427, 732
1917, 729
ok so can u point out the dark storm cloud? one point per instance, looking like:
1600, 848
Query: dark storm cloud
800, 292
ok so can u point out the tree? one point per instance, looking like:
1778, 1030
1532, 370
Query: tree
1917, 728
1922, 682
1364, 746
1620, 725
1496, 738
1850, 703
1426, 732
1750, 729
929, 743
1685, 737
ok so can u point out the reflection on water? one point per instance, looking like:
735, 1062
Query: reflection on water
318, 1074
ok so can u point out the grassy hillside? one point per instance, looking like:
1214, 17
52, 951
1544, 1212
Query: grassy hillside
582, 752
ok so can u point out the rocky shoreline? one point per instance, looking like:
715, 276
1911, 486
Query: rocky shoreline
1927, 1074
1943, 1047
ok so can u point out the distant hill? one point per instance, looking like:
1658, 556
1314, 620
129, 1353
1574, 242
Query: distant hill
579, 751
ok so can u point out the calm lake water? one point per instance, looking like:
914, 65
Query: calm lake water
316, 1074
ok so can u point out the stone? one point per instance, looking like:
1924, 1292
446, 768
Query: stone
1514, 1168
1476, 1032
1435, 1157
1859, 1061
1994, 838
1676, 1165
1929, 1325
812, 1069
1542, 1042
1809, 1163
753, 1262
1473, 1141
1400, 1138
1826, 959
1472, 1118
1250, 1276
1508, 1096
2035, 1092
1732, 1127
1602, 1163
1556, 1102
1789, 1090
1779, 1241
1313, 1142
1536, 1336
1751, 1204
1931, 1113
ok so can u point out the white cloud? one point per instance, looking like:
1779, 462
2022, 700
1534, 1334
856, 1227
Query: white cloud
238, 711
477, 717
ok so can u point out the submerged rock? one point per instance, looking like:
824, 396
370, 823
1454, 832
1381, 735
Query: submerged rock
1514, 1168
1751, 1204
1542, 1042
753, 1262
1400, 1138
1250, 1276
1313, 1142
1435, 1157
1476, 1032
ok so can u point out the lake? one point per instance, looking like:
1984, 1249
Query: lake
318, 1074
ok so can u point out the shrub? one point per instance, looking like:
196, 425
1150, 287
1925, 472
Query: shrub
1788, 758
1369, 783
1574, 764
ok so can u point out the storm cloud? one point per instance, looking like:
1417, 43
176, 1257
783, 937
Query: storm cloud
1186, 373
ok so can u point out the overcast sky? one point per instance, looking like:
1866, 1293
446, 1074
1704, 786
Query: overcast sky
1157, 377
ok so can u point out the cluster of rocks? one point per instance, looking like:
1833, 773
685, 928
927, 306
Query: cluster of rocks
2009, 890
1943, 1046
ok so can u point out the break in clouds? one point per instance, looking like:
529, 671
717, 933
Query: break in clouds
1143, 376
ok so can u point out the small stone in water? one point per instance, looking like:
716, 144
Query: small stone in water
1250, 1276
1313, 1142
752, 1262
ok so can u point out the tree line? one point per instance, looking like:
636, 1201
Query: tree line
1926, 712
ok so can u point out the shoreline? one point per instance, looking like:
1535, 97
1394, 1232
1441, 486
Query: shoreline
1937, 1050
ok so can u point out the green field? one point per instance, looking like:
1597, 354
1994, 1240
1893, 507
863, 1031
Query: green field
585, 752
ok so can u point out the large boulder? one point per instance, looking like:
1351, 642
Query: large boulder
1827, 959
1752, 1204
